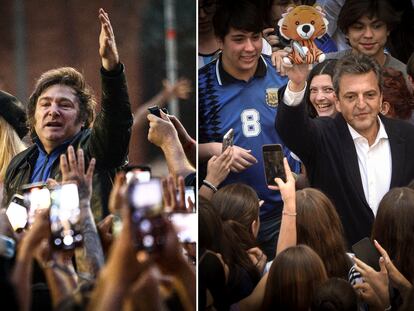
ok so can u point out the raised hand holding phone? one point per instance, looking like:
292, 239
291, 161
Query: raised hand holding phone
286, 188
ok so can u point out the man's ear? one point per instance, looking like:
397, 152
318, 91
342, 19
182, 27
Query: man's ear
385, 108
337, 104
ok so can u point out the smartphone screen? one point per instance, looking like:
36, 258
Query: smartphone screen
188, 193
36, 196
366, 251
17, 213
145, 200
185, 224
228, 140
140, 172
273, 163
65, 217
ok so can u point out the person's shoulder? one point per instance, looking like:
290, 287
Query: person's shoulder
207, 68
338, 54
402, 126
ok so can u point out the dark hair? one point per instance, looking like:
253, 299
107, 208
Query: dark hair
325, 68
318, 226
394, 226
224, 237
353, 10
65, 76
210, 227
396, 93
241, 15
357, 64
410, 66
335, 295
237, 202
293, 278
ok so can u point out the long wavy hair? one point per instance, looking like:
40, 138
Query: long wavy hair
394, 228
294, 276
10, 145
318, 226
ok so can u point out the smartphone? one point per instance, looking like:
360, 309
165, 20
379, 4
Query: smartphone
185, 224
17, 213
188, 193
140, 172
145, 201
36, 196
155, 110
273, 163
227, 140
367, 252
65, 217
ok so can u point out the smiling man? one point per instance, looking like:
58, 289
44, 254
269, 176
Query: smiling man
356, 157
60, 113
239, 91
367, 25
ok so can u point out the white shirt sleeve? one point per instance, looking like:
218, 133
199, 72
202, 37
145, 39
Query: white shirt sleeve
291, 98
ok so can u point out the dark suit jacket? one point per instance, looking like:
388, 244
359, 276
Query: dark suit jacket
326, 148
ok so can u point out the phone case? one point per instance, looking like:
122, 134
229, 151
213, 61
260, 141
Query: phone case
365, 250
273, 163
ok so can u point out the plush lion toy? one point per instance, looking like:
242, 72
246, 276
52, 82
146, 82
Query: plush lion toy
303, 24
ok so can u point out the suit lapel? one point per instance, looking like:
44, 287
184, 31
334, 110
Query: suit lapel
350, 156
397, 147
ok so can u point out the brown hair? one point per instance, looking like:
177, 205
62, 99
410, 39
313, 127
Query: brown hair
394, 227
65, 76
293, 277
318, 226
237, 202
396, 93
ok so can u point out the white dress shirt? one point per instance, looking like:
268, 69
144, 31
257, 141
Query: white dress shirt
375, 163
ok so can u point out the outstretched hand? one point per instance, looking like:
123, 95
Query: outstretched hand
74, 171
107, 46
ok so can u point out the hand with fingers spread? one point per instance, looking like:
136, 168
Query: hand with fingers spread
378, 281
107, 46
181, 89
395, 277
242, 159
73, 170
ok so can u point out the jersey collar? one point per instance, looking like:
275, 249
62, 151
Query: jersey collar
225, 78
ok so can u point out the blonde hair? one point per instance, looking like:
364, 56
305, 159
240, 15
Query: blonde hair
10, 145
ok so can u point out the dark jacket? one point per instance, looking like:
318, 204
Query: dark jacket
326, 148
107, 141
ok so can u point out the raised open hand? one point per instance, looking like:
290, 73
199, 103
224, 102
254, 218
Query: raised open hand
74, 171
107, 45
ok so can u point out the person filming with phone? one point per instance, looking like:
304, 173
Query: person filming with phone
61, 113
356, 157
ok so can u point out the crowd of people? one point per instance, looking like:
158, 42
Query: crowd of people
75, 234
335, 232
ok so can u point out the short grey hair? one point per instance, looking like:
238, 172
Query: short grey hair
356, 63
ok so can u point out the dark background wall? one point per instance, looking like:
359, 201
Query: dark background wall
39, 35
